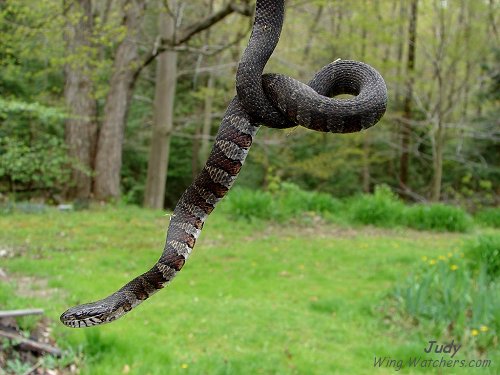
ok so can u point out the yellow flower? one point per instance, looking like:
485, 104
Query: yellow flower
424, 258
474, 332
483, 328
441, 257
432, 262
453, 267
450, 255
184, 365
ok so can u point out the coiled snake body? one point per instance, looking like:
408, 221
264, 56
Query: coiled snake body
271, 99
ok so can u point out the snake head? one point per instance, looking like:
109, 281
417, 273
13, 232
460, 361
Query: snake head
87, 315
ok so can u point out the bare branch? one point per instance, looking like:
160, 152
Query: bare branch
186, 33
15, 313
189, 31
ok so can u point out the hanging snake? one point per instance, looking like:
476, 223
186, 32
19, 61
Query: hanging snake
272, 100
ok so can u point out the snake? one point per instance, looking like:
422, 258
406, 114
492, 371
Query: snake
272, 100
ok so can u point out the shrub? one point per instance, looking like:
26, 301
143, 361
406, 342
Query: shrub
438, 217
293, 201
382, 208
285, 203
489, 217
248, 204
483, 253
42, 167
325, 203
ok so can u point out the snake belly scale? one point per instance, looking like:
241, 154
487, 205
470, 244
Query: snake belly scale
272, 100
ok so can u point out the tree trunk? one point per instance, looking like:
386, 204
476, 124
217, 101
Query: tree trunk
207, 121
438, 142
200, 153
438, 161
166, 78
438, 138
399, 50
407, 115
312, 31
365, 135
109, 147
81, 126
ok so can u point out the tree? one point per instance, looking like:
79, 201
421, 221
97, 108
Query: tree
81, 125
166, 78
199, 158
109, 146
407, 106
164, 96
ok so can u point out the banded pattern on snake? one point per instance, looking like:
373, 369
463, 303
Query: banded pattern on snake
273, 100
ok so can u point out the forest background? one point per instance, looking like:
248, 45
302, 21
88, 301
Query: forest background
120, 100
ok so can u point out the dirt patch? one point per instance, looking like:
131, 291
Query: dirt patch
6, 252
317, 227
25, 348
20, 251
21, 351
28, 286
34, 287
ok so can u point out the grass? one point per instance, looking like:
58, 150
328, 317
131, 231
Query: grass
254, 298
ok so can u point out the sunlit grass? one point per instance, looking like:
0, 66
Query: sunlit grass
253, 298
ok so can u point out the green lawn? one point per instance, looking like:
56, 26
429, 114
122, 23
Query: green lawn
254, 298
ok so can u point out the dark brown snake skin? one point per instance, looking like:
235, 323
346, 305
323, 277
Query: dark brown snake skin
271, 99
